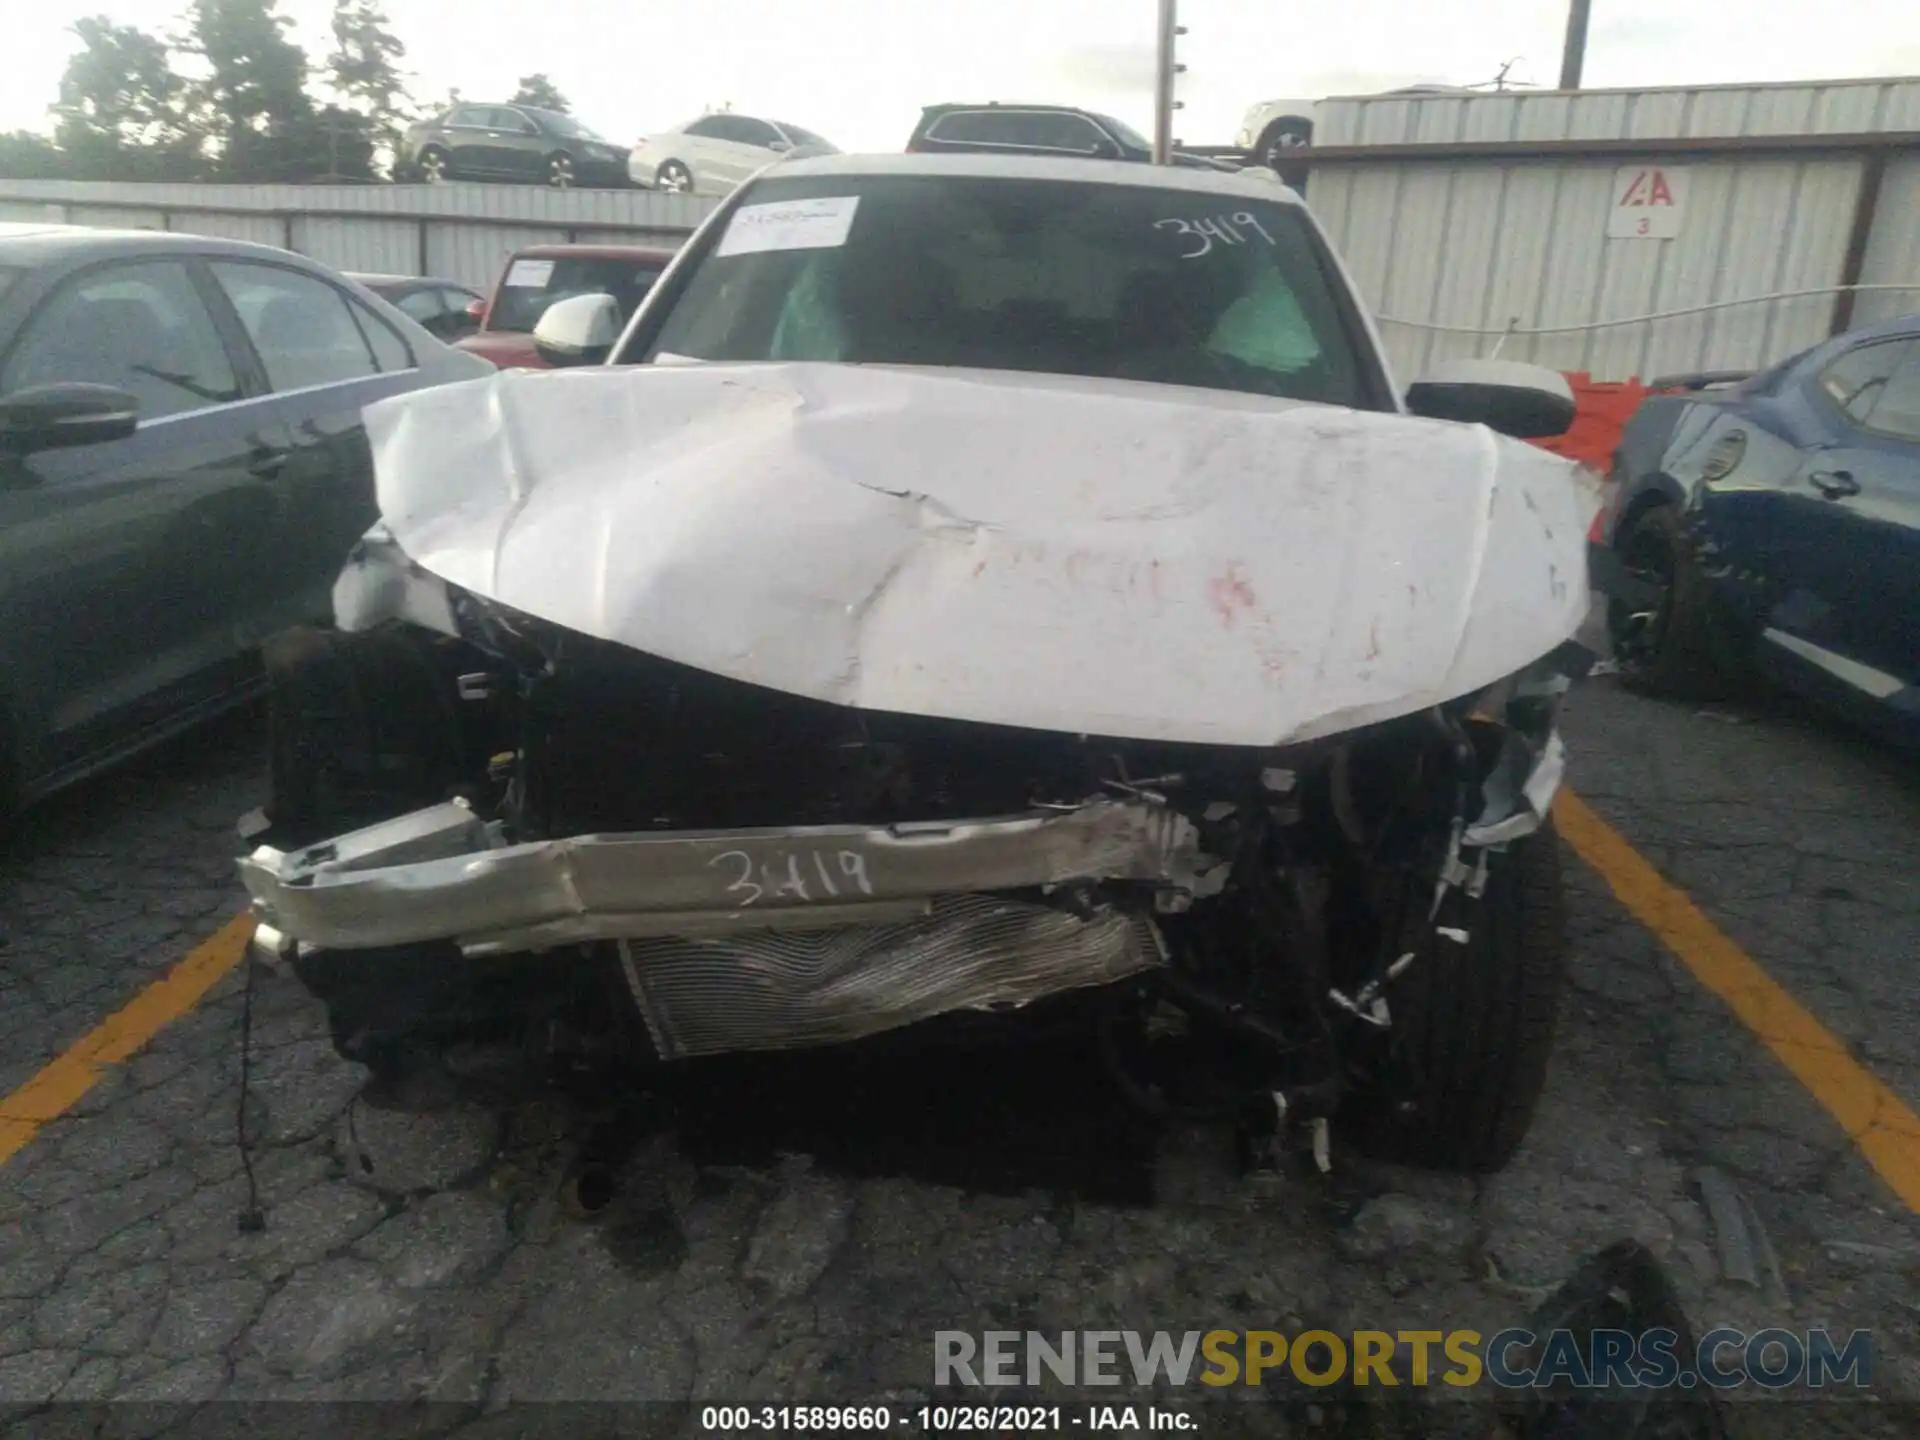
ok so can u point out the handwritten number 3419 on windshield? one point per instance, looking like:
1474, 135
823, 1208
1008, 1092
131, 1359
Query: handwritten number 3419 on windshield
1227, 229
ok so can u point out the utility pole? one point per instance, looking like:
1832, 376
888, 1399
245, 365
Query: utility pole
1574, 56
1165, 69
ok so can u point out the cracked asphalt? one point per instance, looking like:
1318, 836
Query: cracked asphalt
794, 1235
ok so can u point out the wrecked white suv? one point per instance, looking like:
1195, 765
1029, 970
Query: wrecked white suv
970, 586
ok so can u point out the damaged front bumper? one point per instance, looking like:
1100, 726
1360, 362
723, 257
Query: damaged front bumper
443, 874
760, 939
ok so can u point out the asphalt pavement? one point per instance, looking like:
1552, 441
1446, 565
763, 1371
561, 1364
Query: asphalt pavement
799, 1233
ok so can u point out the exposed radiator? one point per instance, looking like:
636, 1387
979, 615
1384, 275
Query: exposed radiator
780, 990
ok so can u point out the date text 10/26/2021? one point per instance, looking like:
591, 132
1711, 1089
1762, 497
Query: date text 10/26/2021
975, 1419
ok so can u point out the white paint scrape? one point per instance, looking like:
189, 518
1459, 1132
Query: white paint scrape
1080, 555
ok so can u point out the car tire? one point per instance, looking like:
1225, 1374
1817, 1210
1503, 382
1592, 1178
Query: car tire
1287, 134
1472, 1025
1675, 650
559, 171
674, 178
435, 166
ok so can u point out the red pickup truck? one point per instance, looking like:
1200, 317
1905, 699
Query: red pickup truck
536, 277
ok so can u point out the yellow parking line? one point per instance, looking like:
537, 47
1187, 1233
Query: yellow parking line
1874, 1118
57, 1088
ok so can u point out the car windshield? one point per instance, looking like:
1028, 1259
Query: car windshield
533, 283
1129, 282
1125, 133
560, 124
806, 137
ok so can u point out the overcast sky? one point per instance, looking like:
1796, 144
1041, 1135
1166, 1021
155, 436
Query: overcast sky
858, 71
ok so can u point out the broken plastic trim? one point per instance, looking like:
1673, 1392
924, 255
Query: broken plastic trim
441, 873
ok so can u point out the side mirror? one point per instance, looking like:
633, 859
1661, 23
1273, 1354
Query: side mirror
779, 147
61, 416
477, 311
1528, 402
580, 330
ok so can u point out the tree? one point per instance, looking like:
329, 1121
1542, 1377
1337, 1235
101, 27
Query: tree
539, 92
27, 156
260, 115
123, 114
364, 71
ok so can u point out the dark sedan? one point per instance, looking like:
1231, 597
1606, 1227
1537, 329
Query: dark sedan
445, 309
1062, 130
183, 470
510, 142
1773, 524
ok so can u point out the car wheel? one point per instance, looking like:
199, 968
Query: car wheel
436, 166
560, 172
674, 178
1472, 1024
1671, 647
1281, 137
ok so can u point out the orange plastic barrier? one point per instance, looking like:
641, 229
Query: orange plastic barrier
1603, 409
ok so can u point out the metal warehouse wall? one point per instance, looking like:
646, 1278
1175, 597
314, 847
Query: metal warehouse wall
1505, 226
456, 232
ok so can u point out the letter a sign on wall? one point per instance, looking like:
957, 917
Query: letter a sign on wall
1648, 201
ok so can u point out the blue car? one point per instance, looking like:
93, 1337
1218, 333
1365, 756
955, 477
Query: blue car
1771, 524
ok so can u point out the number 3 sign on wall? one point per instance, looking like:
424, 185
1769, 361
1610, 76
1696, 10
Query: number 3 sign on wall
1648, 202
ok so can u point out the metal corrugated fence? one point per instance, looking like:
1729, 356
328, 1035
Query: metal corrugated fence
1830, 107
457, 232
1503, 227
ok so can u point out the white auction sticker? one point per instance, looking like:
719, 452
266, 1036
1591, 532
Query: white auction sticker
790, 225
530, 274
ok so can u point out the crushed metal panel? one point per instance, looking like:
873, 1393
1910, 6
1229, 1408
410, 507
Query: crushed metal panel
1085, 556
776, 989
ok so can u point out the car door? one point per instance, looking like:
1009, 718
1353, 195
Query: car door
473, 142
322, 356
520, 144
701, 148
756, 144
1785, 518
118, 561
1863, 536
732, 155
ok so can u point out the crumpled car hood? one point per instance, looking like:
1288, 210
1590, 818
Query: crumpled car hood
1089, 556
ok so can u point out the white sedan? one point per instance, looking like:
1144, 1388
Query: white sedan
713, 154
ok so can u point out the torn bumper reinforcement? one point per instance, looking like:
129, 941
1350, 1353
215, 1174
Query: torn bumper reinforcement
443, 874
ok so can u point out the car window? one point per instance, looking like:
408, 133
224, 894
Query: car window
1033, 129
1125, 133
141, 327
975, 127
421, 305
805, 137
1853, 381
558, 124
300, 326
1065, 132
473, 115
532, 285
1121, 281
1897, 412
711, 127
754, 132
515, 122
390, 349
